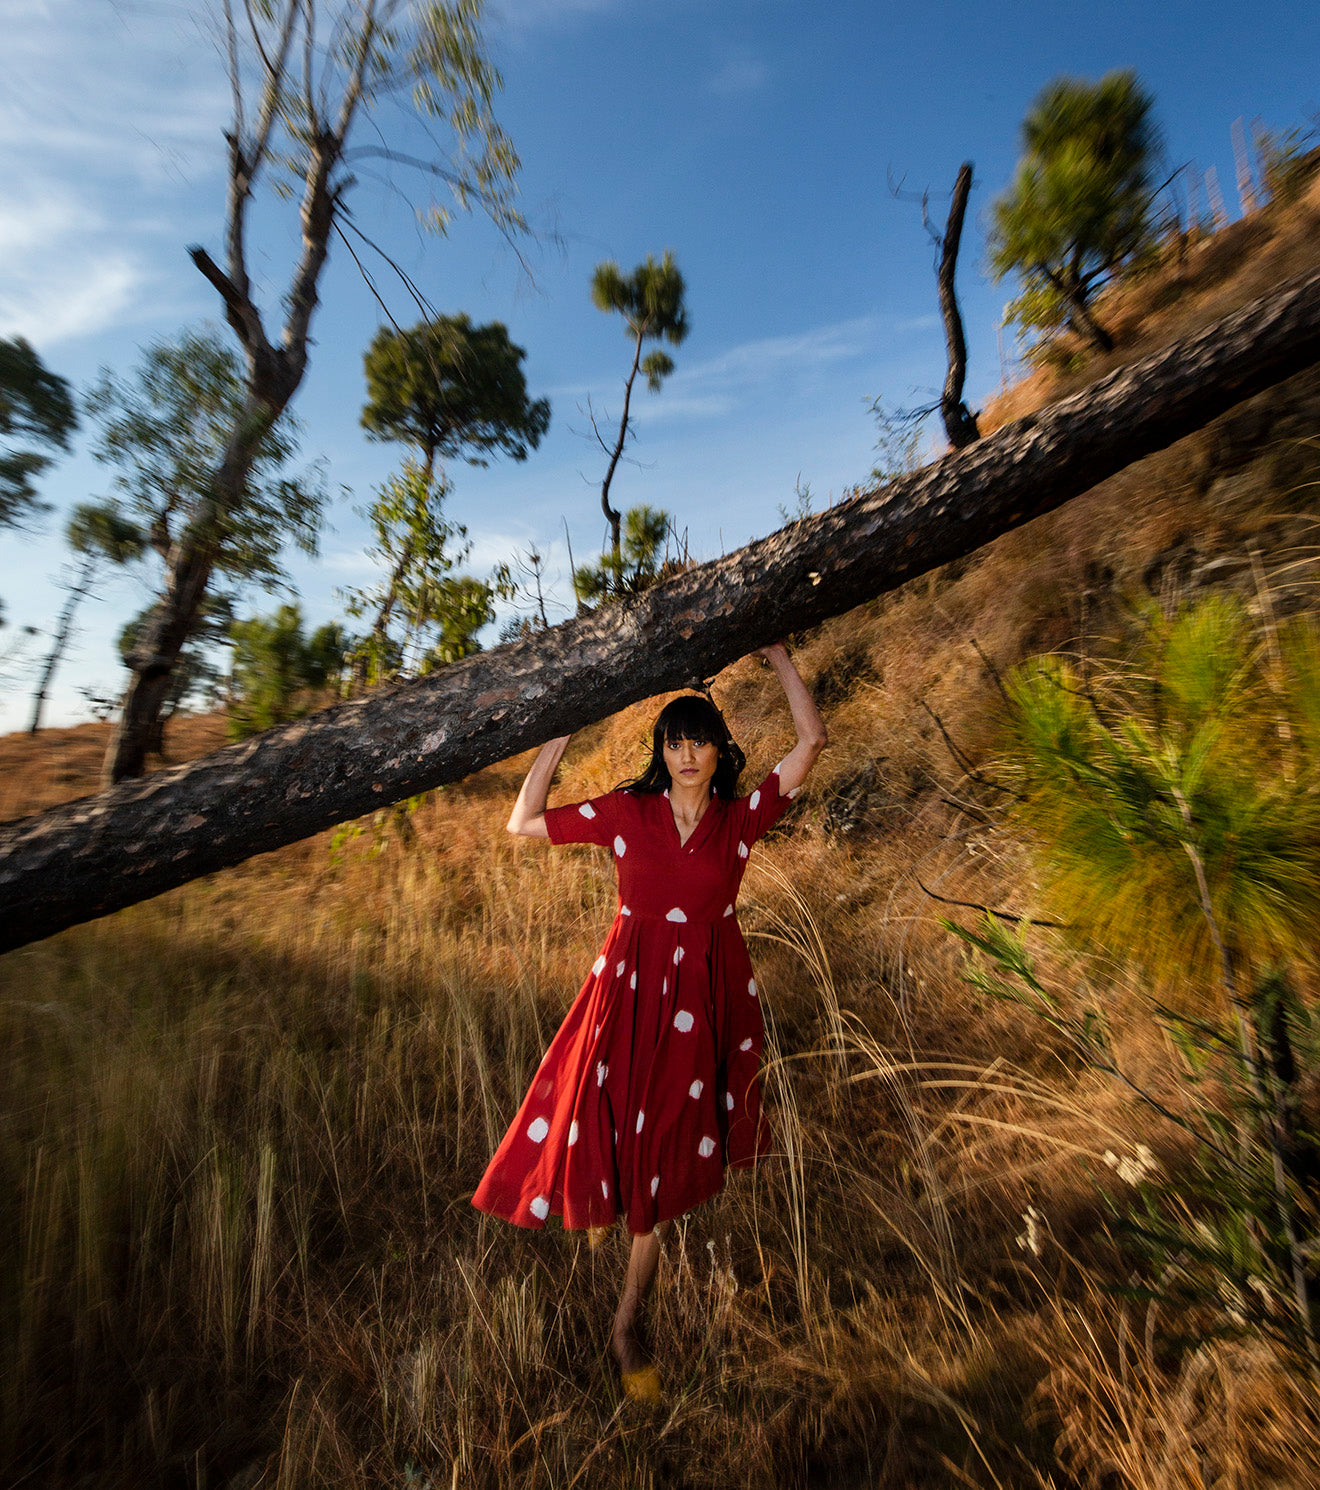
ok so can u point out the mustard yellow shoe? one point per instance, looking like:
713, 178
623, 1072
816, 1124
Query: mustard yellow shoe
596, 1236
643, 1385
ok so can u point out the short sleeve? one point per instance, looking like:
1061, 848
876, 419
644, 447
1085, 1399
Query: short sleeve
764, 808
584, 822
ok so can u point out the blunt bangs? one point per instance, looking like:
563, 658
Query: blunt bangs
690, 717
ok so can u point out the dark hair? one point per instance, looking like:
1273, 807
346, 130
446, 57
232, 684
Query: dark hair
691, 717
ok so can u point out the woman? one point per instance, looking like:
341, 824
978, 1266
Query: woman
650, 1086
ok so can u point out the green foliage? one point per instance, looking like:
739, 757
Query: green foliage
1288, 160
196, 680
646, 530
1079, 208
275, 666
1173, 807
166, 428
100, 530
1202, 751
436, 614
36, 408
651, 302
451, 389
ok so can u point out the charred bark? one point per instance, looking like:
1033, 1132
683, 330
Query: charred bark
959, 422
87, 858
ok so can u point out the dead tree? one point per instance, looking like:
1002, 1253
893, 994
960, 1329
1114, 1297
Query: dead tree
302, 74
84, 859
959, 421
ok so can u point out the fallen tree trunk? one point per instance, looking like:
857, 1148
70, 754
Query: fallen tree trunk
93, 856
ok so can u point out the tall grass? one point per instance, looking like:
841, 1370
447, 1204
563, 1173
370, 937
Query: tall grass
240, 1125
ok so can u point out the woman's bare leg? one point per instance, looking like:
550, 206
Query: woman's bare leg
626, 1336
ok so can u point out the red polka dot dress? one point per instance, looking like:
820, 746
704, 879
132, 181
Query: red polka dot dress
650, 1087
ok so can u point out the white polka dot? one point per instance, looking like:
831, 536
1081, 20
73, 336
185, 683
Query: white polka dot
664, 987
641, 1118
728, 1100
695, 1089
632, 982
605, 1189
573, 1131
620, 847
540, 1208
742, 850
655, 1183
602, 1071
683, 1021
538, 1129
624, 911
751, 986
618, 971
756, 799
596, 1033
675, 915
746, 1044
598, 967
706, 1147
678, 955
587, 810
728, 910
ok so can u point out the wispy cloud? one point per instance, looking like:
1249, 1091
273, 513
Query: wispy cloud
740, 74
732, 378
719, 386
101, 107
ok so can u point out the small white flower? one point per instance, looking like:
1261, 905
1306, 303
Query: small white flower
1030, 1240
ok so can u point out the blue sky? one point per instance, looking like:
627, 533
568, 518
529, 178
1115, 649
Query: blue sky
751, 137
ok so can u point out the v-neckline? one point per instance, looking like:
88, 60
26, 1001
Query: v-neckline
685, 844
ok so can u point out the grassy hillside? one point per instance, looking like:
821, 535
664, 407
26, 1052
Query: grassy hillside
241, 1123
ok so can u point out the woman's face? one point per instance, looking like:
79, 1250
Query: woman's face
691, 763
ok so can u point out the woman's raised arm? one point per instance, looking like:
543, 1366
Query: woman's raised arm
528, 816
811, 735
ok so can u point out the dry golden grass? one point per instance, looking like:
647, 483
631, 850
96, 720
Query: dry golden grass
240, 1125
